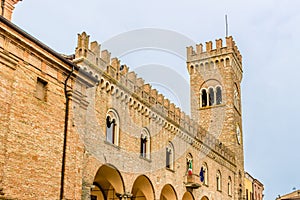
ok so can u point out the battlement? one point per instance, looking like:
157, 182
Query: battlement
119, 81
91, 51
200, 54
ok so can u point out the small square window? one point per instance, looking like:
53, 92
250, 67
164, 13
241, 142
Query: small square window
41, 89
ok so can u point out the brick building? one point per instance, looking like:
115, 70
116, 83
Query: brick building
85, 127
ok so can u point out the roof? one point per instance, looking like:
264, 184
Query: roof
295, 195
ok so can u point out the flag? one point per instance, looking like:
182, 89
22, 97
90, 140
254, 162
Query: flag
201, 174
190, 170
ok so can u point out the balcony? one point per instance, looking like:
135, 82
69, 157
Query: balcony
192, 181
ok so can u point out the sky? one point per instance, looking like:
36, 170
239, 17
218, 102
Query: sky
266, 33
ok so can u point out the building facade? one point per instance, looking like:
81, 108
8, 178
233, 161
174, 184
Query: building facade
86, 127
258, 189
248, 186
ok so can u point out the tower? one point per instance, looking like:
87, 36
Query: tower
215, 78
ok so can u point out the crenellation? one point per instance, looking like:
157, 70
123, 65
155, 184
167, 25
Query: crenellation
90, 57
229, 42
172, 107
122, 79
183, 120
199, 48
146, 92
171, 113
95, 48
208, 46
190, 51
141, 83
219, 44
111, 71
132, 76
154, 93
153, 96
83, 40
210, 52
160, 99
147, 88
82, 45
115, 64
177, 115
137, 90
105, 56
123, 69
166, 103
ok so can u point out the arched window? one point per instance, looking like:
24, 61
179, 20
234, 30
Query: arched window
229, 186
170, 156
145, 144
218, 95
219, 180
112, 127
204, 173
189, 164
203, 98
211, 95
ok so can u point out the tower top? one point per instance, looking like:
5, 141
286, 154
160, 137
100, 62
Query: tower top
7, 8
200, 54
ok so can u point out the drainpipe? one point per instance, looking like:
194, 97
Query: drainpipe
65, 136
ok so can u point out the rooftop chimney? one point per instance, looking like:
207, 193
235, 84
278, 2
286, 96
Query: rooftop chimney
7, 7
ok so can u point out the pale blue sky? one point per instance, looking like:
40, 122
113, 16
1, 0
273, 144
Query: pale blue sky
267, 34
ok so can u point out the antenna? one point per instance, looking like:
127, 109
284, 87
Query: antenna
226, 25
